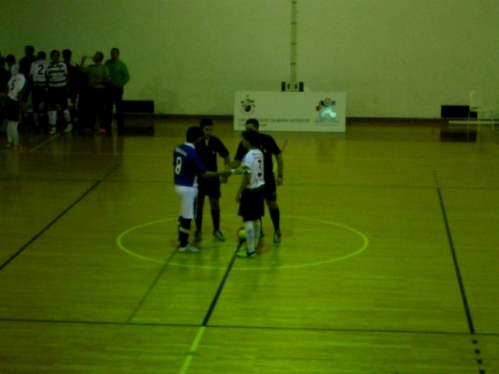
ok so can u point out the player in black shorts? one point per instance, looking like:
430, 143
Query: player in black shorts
269, 147
208, 149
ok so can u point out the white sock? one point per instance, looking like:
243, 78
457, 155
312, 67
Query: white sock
52, 117
258, 228
250, 235
12, 134
67, 116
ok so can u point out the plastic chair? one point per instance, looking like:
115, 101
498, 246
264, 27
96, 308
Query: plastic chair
482, 114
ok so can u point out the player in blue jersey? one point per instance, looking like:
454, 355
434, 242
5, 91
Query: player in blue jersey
187, 168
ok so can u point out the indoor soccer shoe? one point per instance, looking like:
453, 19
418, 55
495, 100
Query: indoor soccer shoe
219, 236
197, 236
277, 237
188, 249
245, 254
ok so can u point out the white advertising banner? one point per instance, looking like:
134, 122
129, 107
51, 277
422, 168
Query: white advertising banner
292, 111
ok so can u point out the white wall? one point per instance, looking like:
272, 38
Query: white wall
394, 58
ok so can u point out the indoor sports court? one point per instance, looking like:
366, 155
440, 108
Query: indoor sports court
388, 261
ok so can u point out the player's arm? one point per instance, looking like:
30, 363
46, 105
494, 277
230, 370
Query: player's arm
215, 174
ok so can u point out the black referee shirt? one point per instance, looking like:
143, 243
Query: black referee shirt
268, 146
208, 149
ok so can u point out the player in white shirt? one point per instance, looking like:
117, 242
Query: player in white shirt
250, 195
57, 96
39, 80
15, 91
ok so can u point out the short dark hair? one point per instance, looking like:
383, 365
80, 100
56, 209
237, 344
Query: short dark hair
254, 122
41, 54
193, 133
67, 52
30, 49
115, 49
54, 51
101, 55
205, 122
11, 59
251, 137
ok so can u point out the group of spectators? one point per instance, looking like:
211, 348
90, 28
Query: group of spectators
54, 86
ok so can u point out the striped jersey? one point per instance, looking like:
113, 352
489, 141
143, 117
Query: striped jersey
16, 86
253, 164
37, 72
187, 165
57, 75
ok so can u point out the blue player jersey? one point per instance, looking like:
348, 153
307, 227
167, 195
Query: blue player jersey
186, 165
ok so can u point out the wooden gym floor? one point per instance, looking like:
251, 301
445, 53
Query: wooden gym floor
388, 262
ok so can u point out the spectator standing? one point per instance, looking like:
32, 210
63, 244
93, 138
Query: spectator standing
98, 79
119, 78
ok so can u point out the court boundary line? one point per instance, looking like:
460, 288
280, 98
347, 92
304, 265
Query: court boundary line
462, 289
51, 223
216, 326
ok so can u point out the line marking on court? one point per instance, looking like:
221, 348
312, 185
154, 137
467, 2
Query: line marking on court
365, 244
455, 260
20, 250
52, 137
192, 350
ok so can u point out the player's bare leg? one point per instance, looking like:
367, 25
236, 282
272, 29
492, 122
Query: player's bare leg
275, 215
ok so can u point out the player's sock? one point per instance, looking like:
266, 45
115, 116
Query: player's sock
250, 236
258, 227
275, 215
215, 216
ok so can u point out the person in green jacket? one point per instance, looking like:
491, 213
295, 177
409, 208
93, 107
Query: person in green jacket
119, 78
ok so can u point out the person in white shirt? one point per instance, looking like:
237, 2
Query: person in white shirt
57, 96
39, 81
250, 195
15, 91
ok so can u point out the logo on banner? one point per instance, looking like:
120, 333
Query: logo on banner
247, 105
326, 110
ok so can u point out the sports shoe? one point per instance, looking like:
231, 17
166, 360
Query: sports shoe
277, 237
197, 236
219, 236
188, 249
245, 254
53, 130
69, 128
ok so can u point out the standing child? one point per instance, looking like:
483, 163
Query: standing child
15, 90
250, 195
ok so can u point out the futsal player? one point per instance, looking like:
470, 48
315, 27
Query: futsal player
57, 97
187, 166
268, 146
250, 195
15, 91
39, 81
208, 149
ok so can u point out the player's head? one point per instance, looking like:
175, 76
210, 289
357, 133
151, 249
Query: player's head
207, 126
98, 57
11, 60
55, 55
41, 55
66, 55
250, 139
115, 53
29, 50
194, 134
252, 124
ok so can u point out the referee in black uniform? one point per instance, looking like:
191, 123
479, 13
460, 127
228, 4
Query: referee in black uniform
208, 149
269, 147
